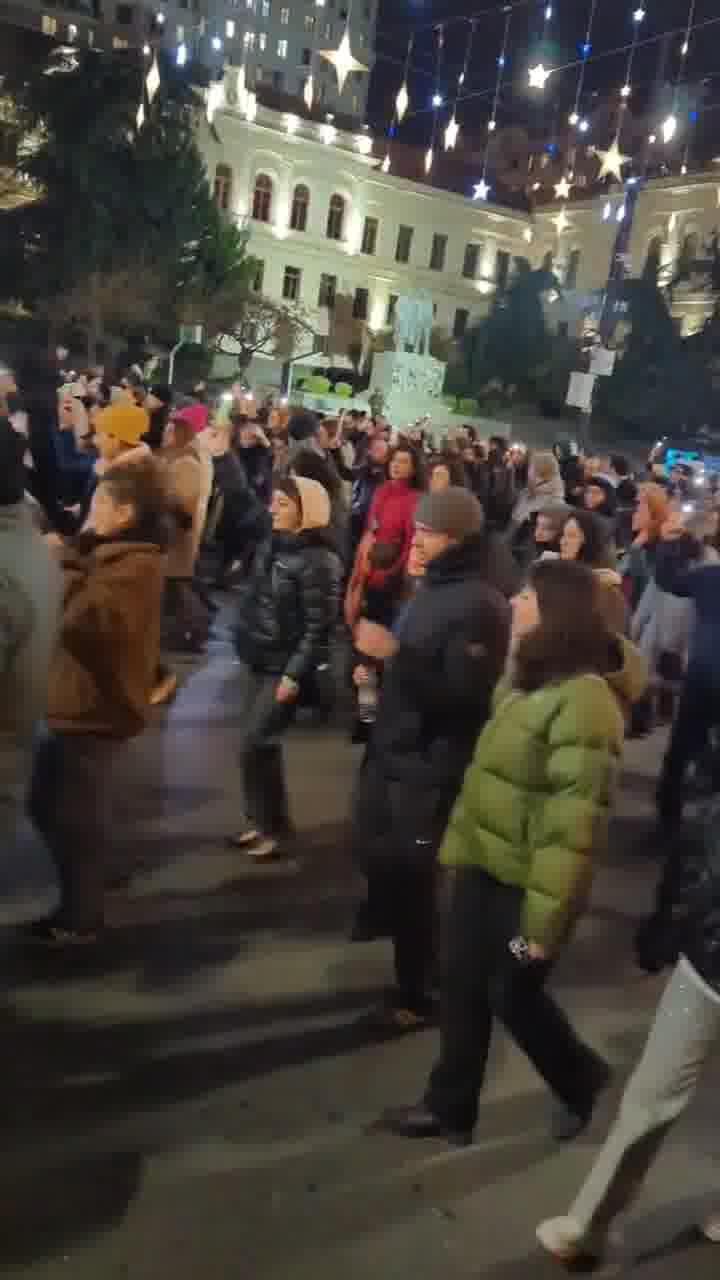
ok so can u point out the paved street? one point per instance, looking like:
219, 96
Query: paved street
197, 1099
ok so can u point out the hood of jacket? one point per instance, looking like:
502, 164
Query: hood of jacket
629, 680
315, 504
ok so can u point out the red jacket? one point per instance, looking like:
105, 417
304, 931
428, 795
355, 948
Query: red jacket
391, 521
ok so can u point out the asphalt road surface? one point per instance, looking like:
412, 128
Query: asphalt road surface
197, 1098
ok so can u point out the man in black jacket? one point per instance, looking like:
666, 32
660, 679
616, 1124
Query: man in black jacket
452, 645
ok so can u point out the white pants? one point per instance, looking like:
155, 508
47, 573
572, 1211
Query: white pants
686, 1026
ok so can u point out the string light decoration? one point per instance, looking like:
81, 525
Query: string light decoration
585, 51
612, 160
670, 124
482, 188
453, 129
402, 101
437, 97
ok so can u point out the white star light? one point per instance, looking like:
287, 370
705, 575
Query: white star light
612, 161
214, 99
308, 93
492, 126
402, 102
562, 189
573, 118
625, 91
451, 133
152, 80
538, 76
482, 190
562, 222
342, 59
639, 15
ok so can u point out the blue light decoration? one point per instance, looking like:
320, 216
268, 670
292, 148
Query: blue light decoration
693, 116
551, 147
501, 60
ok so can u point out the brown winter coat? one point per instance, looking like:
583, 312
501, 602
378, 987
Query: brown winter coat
189, 477
108, 649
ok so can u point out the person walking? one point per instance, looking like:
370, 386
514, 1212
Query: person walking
288, 611
29, 602
382, 555
521, 842
449, 652
101, 675
685, 1031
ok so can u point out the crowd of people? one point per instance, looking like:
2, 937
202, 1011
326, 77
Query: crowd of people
495, 621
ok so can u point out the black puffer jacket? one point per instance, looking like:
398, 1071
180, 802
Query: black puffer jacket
290, 605
434, 702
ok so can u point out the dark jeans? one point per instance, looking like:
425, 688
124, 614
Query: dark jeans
68, 803
261, 756
698, 713
484, 981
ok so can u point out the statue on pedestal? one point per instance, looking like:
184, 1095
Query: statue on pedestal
414, 316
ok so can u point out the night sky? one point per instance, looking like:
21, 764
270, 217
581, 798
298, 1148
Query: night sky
564, 34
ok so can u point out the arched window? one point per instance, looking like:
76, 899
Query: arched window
223, 187
336, 218
262, 198
300, 206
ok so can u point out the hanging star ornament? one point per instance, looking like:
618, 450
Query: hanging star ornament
562, 189
342, 59
402, 102
562, 222
451, 133
611, 161
152, 81
538, 76
482, 190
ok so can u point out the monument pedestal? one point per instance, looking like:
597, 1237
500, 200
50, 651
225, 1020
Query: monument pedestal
411, 384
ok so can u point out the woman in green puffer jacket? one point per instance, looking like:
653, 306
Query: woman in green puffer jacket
531, 816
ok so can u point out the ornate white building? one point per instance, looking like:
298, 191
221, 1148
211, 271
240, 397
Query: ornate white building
326, 218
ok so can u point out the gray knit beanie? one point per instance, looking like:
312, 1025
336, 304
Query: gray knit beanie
455, 512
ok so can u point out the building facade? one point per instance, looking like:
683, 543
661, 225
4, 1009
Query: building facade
277, 40
325, 220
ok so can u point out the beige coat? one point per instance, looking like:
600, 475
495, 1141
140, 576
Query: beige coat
189, 474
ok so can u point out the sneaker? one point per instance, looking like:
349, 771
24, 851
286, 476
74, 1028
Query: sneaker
53, 934
563, 1239
264, 847
711, 1229
244, 838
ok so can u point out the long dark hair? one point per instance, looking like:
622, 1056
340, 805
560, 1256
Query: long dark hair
571, 638
596, 550
417, 479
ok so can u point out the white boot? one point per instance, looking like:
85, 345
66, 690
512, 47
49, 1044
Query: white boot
565, 1240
